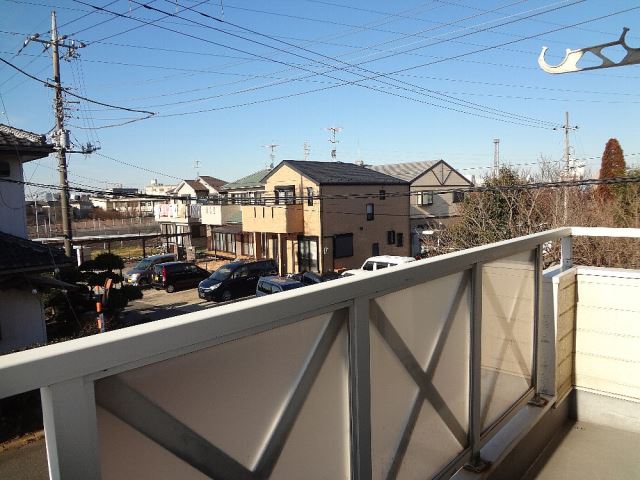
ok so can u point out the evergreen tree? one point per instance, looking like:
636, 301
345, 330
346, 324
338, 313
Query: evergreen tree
612, 166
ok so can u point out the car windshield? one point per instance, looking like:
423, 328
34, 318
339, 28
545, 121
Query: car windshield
144, 263
368, 266
221, 274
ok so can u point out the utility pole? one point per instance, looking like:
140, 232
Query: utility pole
61, 136
333, 141
568, 168
496, 157
272, 155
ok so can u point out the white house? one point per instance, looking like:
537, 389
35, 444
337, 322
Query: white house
21, 260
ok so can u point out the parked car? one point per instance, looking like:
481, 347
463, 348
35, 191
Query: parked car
377, 263
235, 280
173, 276
140, 275
274, 284
312, 278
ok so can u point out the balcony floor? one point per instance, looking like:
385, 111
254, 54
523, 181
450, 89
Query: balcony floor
585, 450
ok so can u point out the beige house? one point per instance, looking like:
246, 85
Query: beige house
321, 216
437, 189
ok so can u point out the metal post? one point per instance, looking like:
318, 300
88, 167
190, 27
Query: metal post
539, 379
144, 250
70, 425
566, 253
360, 389
35, 209
476, 464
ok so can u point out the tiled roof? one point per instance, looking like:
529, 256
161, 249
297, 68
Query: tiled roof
13, 138
338, 173
22, 255
408, 171
212, 181
250, 181
196, 185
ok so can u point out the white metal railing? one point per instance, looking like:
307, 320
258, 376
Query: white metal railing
340, 380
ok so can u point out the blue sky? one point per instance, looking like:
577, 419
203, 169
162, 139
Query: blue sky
230, 70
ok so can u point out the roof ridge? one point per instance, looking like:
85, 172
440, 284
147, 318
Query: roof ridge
34, 137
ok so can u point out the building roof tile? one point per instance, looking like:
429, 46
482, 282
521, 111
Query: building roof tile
339, 173
407, 171
21, 141
19, 255
255, 180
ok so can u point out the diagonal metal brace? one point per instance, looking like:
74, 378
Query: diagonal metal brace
572, 57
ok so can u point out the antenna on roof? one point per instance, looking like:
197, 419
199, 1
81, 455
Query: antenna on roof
333, 141
196, 165
272, 155
306, 149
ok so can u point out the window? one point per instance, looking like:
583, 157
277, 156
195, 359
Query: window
241, 272
375, 249
382, 195
369, 211
285, 195
425, 198
5, 169
343, 245
458, 197
309, 196
400, 239
391, 237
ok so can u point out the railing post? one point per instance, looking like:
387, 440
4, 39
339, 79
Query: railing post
70, 426
360, 389
566, 253
476, 464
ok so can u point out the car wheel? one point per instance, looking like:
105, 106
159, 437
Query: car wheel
226, 296
171, 289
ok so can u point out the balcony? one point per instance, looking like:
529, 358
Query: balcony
272, 219
219, 214
469, 365
177, 213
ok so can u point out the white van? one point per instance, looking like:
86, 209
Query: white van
377, 263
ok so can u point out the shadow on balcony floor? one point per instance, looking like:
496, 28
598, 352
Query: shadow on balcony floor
585, 450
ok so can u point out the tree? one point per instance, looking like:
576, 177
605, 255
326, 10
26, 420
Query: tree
612, 166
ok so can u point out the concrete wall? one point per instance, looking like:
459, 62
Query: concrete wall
21, 320
12, 207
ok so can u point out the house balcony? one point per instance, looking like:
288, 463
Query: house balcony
474, 364
219, 214
177, 213
273, 218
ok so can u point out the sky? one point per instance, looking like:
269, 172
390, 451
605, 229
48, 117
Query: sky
405, 80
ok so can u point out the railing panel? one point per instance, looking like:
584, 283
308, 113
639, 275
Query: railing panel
508, 305
420, 377
236, 408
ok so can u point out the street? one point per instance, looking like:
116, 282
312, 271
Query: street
158, 304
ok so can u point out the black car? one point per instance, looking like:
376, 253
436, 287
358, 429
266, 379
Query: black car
312, 278
236, 279
173, 276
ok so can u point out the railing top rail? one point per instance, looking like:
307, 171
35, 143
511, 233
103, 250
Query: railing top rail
605, 232
148, 343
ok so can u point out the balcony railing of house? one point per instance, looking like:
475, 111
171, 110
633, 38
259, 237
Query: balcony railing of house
218, 214
177, 212
415, 371
283, 218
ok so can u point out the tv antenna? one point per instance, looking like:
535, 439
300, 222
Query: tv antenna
272, 155
334, 141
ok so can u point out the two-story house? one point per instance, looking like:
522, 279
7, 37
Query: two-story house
179, 217
321, 216
223, 216
21, 260
437, 190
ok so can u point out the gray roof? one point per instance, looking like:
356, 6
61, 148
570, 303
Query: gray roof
21, 255
250, 181
23, 142
212, 181
338, 173
408, 171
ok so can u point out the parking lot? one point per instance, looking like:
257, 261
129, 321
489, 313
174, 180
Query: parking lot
158, 304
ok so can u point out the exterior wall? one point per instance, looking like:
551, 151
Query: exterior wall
608, 327
13, 219
218, 214
158, 189
340, 216
440, 177
21, 320
273, 218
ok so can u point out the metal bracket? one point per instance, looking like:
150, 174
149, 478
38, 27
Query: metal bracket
477, 466
538, 401
572, 57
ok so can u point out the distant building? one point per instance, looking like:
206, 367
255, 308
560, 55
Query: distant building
155, 188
